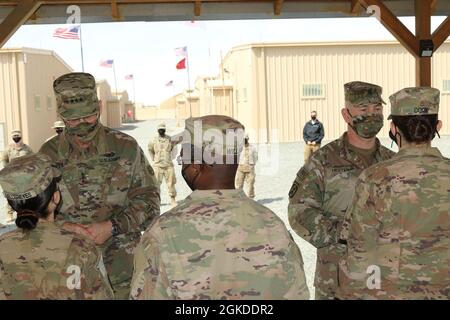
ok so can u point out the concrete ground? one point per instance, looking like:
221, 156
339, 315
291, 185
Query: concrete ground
275, 174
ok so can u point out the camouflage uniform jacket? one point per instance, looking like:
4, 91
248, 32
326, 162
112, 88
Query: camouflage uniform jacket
400, 223
43, 264
160, 150
14, 151
319, 198
112, 181
218, 244
248, 158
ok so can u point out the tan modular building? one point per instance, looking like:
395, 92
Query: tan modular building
27, 101
272, 87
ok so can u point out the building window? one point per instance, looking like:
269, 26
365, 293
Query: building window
244, 94
37, 103
313, 91
446, 86
49, 103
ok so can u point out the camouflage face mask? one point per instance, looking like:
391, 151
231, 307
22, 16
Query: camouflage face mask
84, 131
366, 126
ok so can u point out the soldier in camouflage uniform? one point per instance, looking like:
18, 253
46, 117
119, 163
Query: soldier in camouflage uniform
160, 150
217, 243
324, 186
112, 194
41, 260
15, 150
246, 170
399, 216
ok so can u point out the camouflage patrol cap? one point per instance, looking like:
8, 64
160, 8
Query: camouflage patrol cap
26, 177
212, 132
76, 95
414, 101
359, 93
161, 126
58, 124
16, 133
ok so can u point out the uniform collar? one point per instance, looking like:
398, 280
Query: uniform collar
217, 194
346, 153
420, 151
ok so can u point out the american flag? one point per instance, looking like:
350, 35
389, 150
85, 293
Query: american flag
170, 83
106, 63
67, 33
182, 51
129, 77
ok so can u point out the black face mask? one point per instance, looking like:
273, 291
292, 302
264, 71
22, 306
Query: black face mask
393, 138
59, 130
313, 118
17, 139
161, 132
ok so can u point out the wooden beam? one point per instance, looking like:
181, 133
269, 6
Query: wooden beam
277, 5
395, 26
197, 8
441, 33
16, 18
115, 13
423, 32
355, 7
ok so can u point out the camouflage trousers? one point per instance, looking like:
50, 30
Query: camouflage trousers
309, 150
247, 177
167, 174
326, 280
118, 256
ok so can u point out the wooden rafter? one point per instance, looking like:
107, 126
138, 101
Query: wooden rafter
197, 8
441, 33
115, 13
355, 7
21, 13
277, 5
423, 32
395, 26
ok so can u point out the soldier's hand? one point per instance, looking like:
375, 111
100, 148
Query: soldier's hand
78, 229
100, 231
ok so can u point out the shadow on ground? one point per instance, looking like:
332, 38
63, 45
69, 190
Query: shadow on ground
269, 200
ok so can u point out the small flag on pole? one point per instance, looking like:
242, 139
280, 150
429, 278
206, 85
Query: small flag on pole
106, 63
67, 33
182, 64
182, 51
129, 77
169, 84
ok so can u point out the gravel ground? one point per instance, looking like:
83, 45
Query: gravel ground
275, 174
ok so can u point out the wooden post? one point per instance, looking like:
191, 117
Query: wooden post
423, 32
21, 13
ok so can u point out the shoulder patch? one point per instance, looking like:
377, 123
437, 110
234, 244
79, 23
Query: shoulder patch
300, 176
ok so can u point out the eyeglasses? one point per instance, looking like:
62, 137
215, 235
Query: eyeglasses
74, 122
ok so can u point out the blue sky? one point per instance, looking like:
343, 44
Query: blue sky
146, 49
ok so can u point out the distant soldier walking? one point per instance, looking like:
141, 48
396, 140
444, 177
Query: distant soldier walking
246, 168
160, 150
313, 134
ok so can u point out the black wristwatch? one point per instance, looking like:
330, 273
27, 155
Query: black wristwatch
115, 228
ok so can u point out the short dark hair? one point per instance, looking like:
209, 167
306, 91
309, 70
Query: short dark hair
30, 210
417, 128
314, 111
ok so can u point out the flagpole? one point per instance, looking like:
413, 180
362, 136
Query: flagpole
81, 47
115, 81
134, 91
189, 83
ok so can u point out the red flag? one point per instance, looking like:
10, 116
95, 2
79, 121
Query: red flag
181, 64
